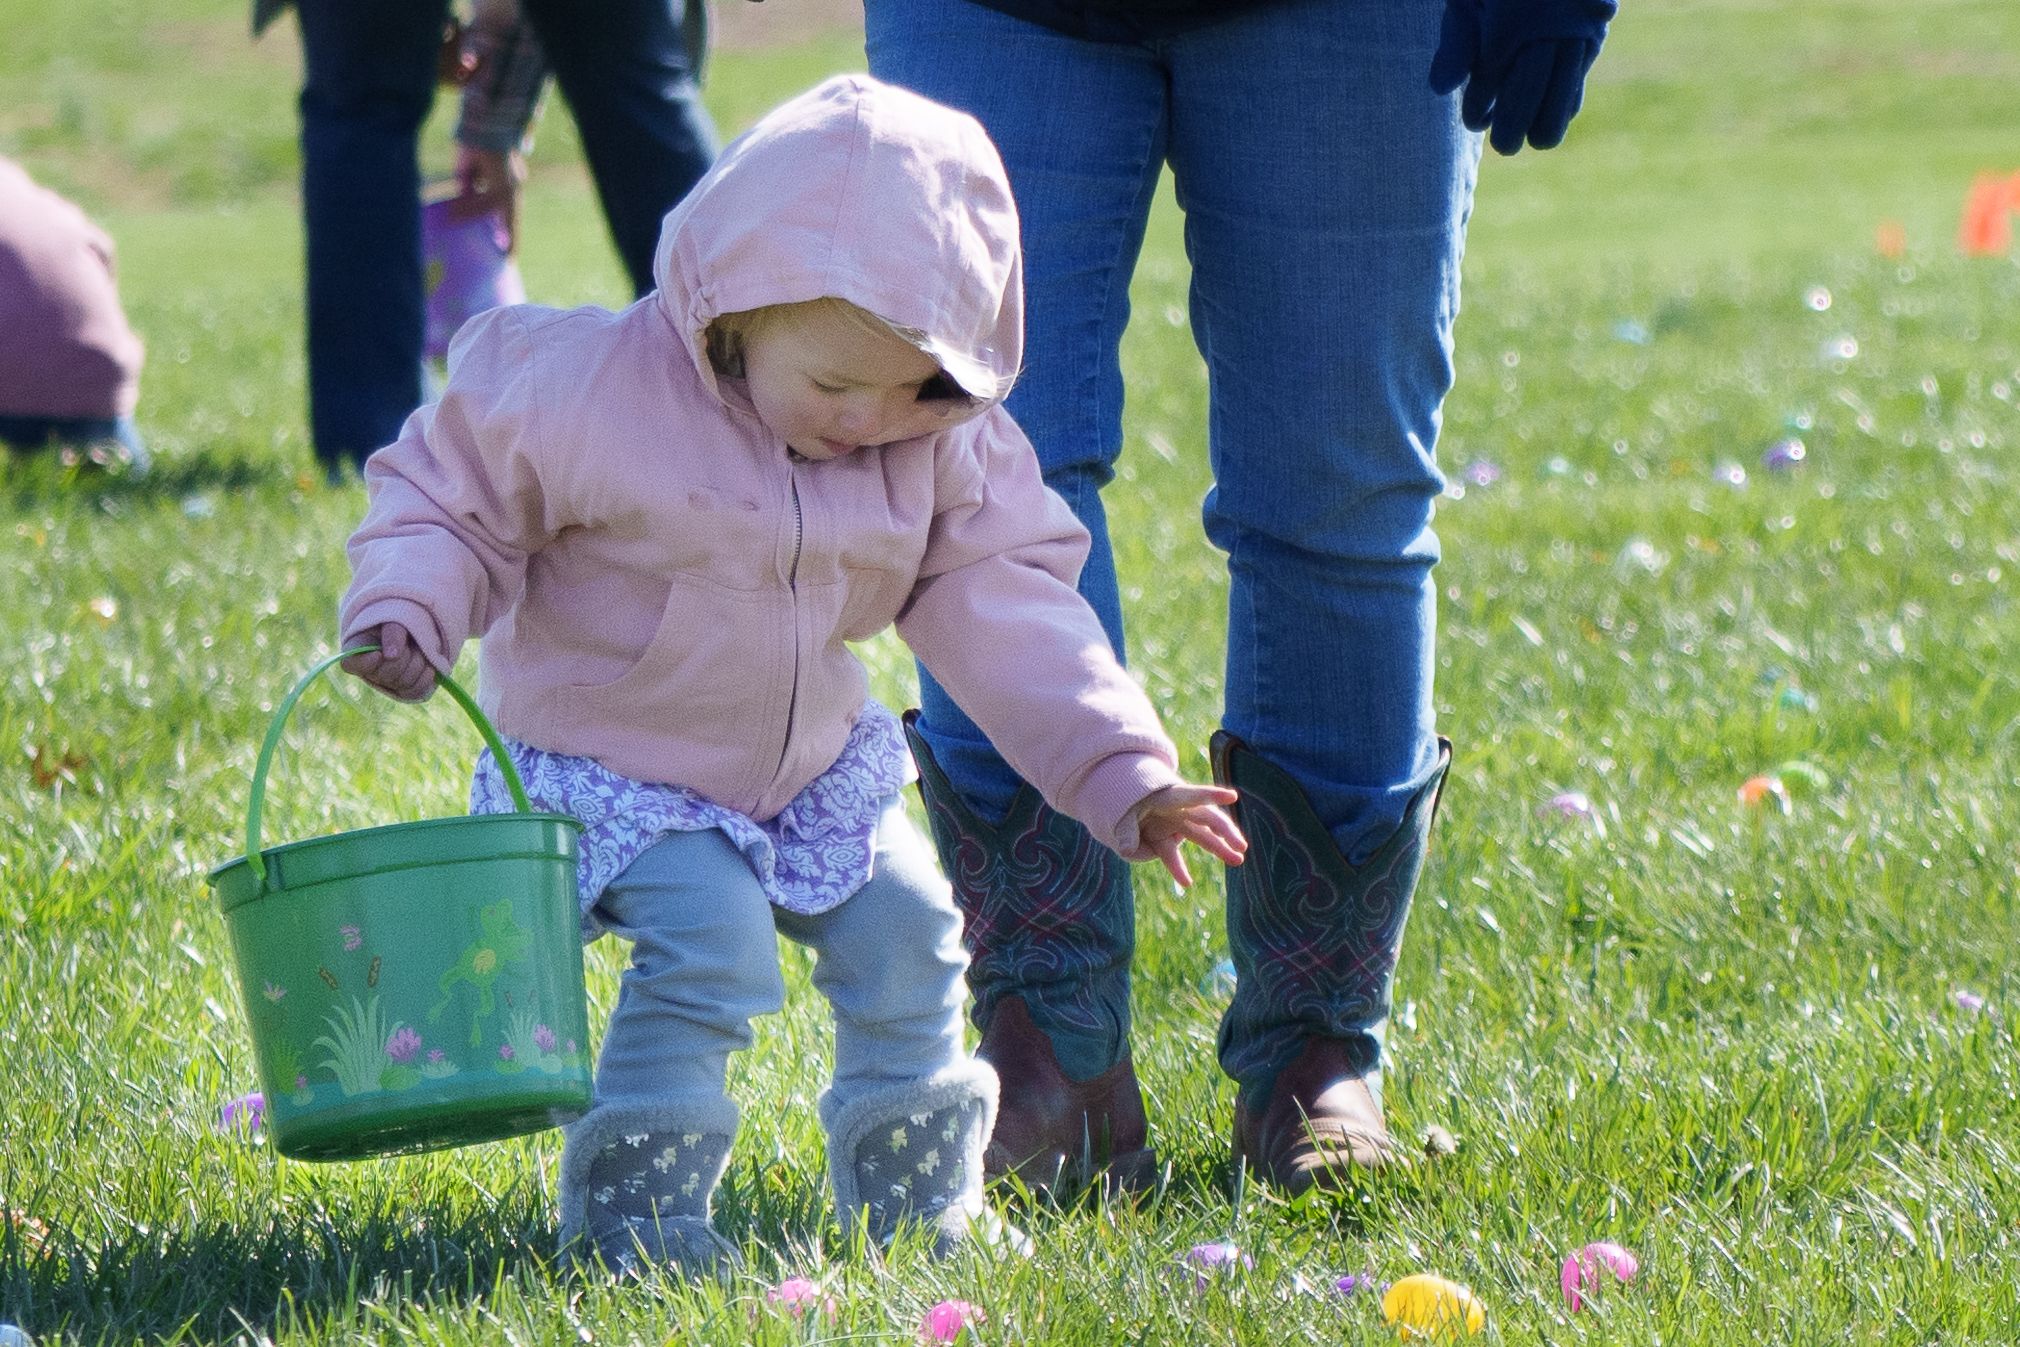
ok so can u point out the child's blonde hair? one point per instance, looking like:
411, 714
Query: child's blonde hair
727, 334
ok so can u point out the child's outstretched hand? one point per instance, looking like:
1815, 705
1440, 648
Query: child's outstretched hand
1192, 814
397, 668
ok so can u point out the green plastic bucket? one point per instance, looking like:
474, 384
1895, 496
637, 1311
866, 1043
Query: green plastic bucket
412, 986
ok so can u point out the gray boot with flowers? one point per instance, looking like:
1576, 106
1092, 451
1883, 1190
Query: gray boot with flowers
912, 1152
636, 1180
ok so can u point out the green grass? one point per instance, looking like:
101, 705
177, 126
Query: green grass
1723, 1037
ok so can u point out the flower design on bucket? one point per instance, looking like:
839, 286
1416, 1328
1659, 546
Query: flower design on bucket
353, 937
404, 1043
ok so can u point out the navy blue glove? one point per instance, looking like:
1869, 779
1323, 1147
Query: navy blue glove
1523, 63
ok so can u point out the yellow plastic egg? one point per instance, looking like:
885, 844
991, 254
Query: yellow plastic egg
1424, 1306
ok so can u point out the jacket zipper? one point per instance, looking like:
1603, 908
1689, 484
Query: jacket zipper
793, 611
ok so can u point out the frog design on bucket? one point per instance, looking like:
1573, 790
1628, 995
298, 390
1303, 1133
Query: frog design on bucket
500, 942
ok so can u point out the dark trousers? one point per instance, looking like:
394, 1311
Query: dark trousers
624, 68
113, 435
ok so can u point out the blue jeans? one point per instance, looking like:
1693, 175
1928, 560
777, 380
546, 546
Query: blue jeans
368, 84
1326, 193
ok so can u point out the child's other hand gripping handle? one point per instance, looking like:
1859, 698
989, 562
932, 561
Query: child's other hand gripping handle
1194, 814
397, 668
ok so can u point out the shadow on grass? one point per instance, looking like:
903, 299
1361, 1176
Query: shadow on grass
223, 1281
31, 480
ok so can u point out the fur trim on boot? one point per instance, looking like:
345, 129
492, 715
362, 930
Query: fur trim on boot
636, 1180
913, 1152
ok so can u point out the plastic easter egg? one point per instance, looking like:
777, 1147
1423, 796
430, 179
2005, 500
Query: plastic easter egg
1784, 454
1220, 981
800, 1296
1356, 1284
1219, 1259
948, 1320
1796, 699
246, 1113
12, 1335
1586, 1271
1423, 1306
1756, 791
1566, 804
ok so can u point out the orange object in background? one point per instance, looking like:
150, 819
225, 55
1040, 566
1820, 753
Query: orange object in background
1987, 227
1756, 791
1890, 240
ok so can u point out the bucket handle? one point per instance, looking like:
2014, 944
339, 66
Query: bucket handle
259, 782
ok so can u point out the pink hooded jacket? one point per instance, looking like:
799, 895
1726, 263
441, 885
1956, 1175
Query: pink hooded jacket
662, 588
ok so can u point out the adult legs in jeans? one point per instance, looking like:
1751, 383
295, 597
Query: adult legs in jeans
1326, 192
631, 81
368, 81
908, 1111
1051, 927
626, 70
1325, 285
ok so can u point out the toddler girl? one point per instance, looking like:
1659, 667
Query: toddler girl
667, 523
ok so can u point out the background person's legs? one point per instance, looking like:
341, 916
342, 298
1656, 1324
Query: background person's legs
369, 69
633, 84
110, 442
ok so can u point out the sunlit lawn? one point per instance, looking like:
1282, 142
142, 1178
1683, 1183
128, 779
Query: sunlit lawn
1727, 1037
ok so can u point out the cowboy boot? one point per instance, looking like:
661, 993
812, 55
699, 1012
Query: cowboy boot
912, 1152
636, 1180
1050, 929
1315, 941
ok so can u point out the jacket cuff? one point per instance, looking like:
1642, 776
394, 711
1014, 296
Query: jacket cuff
1109, 794
363, 624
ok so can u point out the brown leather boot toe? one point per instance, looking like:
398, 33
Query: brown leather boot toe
1321, 1125
1053, 1131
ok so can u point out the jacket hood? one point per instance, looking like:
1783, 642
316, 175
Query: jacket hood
862, 191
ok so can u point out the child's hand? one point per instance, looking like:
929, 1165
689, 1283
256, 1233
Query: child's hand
397, 668
1189, 814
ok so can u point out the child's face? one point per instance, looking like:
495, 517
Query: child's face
829, 386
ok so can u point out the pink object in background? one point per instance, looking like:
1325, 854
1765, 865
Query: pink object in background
1220, 1258
247, 1113
948, 1320
1582, 1271
468, 267
1567, 804
800, 1296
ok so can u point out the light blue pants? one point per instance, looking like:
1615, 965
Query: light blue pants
704, 963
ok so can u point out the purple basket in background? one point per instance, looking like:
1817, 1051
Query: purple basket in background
468, 268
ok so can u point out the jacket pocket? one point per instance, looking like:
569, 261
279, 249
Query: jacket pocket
706, 629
